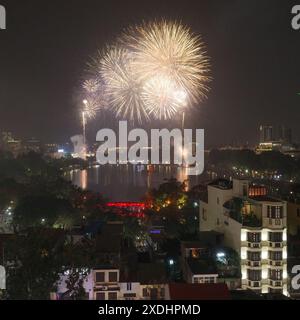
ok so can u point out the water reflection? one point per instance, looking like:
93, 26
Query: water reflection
128, 182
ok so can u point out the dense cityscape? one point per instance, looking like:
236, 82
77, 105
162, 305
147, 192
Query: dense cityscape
197, 199
236, 232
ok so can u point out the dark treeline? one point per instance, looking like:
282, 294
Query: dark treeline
266, 161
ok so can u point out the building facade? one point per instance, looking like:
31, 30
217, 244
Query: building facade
255, 227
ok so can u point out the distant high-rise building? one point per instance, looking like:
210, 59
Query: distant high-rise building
9, 143
266, 134
285, 135
6, 136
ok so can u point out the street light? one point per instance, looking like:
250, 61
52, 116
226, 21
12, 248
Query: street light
171, 262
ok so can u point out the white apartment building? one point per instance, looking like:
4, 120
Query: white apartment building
254, 225
104, 284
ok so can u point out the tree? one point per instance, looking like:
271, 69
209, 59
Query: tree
41, 210
33, 263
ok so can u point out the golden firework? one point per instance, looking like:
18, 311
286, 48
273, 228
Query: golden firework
122, 86
154, 70
162, 97
170, 50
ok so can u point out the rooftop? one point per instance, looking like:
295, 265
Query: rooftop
264, 199
222, 184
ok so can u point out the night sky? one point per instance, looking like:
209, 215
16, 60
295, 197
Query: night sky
254, 54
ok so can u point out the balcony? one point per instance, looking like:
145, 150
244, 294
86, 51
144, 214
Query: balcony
275, 223
253, 264
276, 263
275, 283
254, 245
275, 244
254, 284
106, 287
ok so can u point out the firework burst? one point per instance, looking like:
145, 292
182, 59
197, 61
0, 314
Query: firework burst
94, 97
162, 97
91, 86
154, 70
170, 50
122, 87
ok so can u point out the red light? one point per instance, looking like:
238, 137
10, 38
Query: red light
128, 209
126, 204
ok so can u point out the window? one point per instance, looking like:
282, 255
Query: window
100, 276
112, 296
100, 296
154, 293
218, 200
275, 255
275, 212
209, 280
195, 253
275, 236
129, 286
253, 236
145, 292
253, 256
276, 274
254, 275
197, 280
113, 276
204, 214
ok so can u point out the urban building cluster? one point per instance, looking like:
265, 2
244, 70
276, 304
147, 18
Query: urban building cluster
8, 142
279, 138
244, 244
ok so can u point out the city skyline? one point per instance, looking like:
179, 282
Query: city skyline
149, 151
253, 83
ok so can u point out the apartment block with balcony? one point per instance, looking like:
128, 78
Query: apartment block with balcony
254, 226
264, 246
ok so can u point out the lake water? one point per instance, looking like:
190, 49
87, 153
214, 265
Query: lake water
128, 182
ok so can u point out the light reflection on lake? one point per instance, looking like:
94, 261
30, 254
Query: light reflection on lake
128, 182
